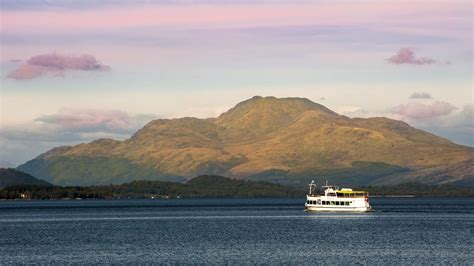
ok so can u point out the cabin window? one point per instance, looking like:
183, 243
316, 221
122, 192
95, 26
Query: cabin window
337, 203
319, 201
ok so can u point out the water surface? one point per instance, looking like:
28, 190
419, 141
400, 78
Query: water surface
400, 230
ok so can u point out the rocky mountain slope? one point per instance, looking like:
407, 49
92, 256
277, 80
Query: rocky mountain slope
287, 140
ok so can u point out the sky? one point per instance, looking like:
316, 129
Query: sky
73, 71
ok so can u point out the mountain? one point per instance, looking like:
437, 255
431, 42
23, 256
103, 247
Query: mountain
12, 177
284, 140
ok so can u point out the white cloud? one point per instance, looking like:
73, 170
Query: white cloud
458, 126
23, 142
420, 95
422, 111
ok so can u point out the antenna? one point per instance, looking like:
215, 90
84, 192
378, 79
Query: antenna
311, 187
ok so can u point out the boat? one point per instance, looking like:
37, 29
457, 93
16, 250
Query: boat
333, 199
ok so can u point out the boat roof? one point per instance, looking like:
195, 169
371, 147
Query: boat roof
350, 191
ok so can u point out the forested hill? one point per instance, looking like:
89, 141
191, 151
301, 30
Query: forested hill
12, 177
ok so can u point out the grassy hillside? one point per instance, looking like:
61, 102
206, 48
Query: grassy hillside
288, 140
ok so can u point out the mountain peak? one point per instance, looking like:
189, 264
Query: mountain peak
260, 115
298, 104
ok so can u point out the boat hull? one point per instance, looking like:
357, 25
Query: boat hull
337, 209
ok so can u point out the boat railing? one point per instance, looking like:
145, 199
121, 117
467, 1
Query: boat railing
315, 194
352, 195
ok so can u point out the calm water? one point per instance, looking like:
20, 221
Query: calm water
401, 230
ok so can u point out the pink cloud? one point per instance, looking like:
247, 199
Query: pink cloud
95, 120
26, 72
421, 111
55, 64
407, 56
89, 120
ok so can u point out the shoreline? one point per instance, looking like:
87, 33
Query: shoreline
187, 198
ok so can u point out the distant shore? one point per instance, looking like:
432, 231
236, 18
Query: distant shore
199, 187
208, 186
32, 194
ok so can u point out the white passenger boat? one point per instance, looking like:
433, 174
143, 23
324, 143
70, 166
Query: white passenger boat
333, 199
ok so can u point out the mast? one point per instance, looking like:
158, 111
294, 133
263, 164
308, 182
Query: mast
311, 185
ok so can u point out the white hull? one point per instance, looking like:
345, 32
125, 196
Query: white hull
337, 209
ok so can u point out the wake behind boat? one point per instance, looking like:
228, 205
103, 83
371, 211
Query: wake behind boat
336, 200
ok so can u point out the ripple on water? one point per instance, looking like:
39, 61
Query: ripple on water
234, 231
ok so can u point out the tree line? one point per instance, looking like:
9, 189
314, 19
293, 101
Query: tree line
203, 186
211, 186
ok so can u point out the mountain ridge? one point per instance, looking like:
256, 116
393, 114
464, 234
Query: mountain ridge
257, 138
